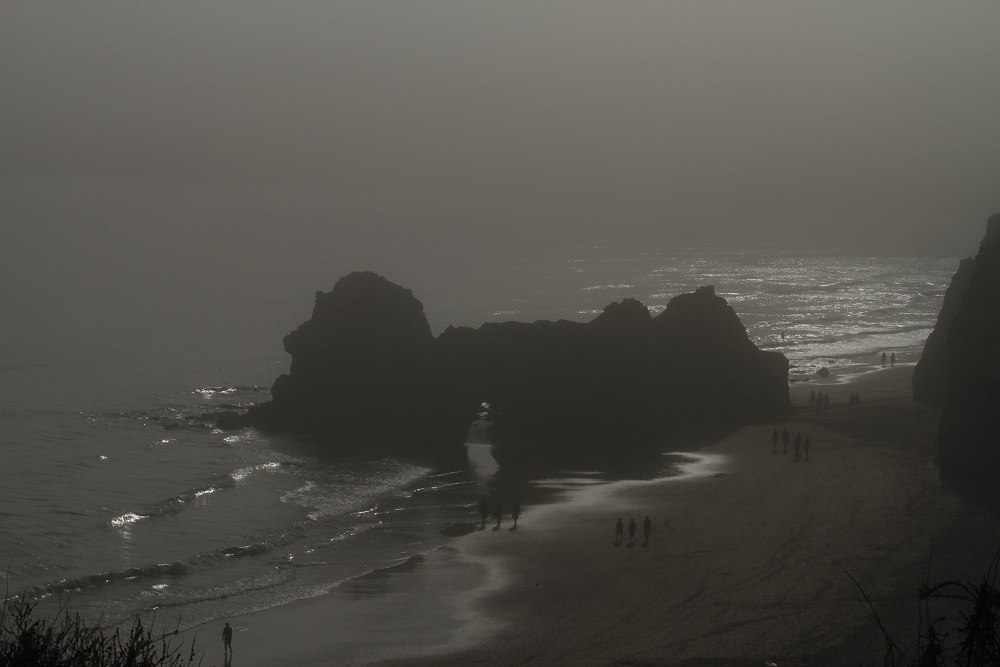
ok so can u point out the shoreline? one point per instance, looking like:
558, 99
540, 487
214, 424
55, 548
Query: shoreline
746, 561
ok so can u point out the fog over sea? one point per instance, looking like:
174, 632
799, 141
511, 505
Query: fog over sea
115, 489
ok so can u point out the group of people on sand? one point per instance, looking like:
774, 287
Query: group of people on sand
801, 444
892, 359
647, 526
819, 401
484, 512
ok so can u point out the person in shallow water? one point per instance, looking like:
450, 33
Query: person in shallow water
631, 531
647, 525
499, 513
515, 511
227, 641
484, 510
619, 532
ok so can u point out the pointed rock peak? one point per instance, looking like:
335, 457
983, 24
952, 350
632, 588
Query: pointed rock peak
629, 314
992, 228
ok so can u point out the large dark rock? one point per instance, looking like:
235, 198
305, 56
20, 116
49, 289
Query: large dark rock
969, 434
930, 377
365, 368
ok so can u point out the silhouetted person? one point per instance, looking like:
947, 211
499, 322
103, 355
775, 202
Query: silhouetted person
227, 641
892, 359
484, 510
883, 359
812, 398
784, 440
619, 532
806, 445
499, 513
631, 531
647, 525
515, 511
774, 442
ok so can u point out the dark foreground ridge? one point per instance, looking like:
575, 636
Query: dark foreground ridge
969, 434
366, 369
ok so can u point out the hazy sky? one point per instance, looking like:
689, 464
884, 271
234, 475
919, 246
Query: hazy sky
322, 137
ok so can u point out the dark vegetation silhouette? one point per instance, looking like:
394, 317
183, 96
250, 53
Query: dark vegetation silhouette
29, 640
974, 636
367, 369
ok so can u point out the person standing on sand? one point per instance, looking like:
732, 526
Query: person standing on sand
774, 444
647, 525
227, 641
631, 532
619, 532
484, 510
892, 359
515, 511
784, 440
499, 513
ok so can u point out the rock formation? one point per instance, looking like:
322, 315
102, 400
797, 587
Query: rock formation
930, 377
969, 434
365, 368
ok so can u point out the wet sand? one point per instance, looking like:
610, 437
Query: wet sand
746, 563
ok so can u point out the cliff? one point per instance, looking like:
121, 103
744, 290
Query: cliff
969, 433
365, 368
930, 377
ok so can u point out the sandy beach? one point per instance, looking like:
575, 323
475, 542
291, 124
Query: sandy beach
747, 560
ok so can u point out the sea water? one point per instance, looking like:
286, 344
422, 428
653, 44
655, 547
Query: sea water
118, 496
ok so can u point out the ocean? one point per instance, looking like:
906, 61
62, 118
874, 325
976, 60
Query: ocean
118, 497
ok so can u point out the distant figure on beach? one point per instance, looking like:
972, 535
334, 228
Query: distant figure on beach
798, 446
499, 513
647, 525
227, 641
484, 510
631, 531
619, 532
784, 440
892, 359
812, 398
883, 359
774, 444
515, 511
806, 445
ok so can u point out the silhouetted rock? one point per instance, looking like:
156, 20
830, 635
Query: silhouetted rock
366, 368
969, 435
930, 377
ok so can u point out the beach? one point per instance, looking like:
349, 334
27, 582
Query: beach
748, 560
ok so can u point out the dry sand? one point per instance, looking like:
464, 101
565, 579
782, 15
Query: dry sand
747, 561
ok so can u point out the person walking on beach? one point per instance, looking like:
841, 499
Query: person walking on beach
484, 510
806, 445
515, 511
647, 525
774, 442
499, 513
619, 532
784, 440
227, 641
892, 359
631, 532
